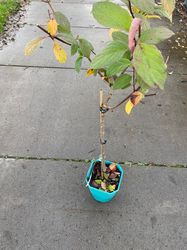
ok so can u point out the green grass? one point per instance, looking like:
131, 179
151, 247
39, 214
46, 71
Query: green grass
7, 7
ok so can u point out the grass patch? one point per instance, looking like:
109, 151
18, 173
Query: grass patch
7, 7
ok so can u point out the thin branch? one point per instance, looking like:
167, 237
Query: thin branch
53, 37
50, 5
134, 79
124, 100
130, 9
139, 31
102, 134
151, 95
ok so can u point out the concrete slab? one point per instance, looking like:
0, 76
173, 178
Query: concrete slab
84, 25
78, 14
13, 54
44, 205
53, 113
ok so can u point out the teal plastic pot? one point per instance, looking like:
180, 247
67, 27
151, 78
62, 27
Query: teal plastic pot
100, 195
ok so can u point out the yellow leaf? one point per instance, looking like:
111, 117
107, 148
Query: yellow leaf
52, 27
169, 6
135, 10
33, 45
138, 11
90, 72
59, 53
152, 16
128, 107
111, 31
136, 97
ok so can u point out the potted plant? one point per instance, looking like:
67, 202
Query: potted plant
129, 60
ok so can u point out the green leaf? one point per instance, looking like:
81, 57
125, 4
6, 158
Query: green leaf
144, 88
112, 15
150, 65
145, 23
74, 48
86, 47
145, 5
127, 54
122, 82
63, 22
78, 63
98, 182
111, 188
120, 36
156, 35
113, 52
106, 175
117, 67
67, 37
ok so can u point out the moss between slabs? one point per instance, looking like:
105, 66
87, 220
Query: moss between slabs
7, 7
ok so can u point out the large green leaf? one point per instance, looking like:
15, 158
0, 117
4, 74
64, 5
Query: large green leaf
150, 65
63, 22
127, 54
145, 23
122, 82
112, 53
111, 15
144, 88
145, 5
86, 47
120, 36
156, 35
118, 67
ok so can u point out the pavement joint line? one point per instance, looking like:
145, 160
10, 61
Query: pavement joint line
39, 67
73, 26
64, 68
42, 67
81, 210
128, 163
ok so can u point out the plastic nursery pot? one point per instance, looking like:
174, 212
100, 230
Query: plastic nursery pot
100, 195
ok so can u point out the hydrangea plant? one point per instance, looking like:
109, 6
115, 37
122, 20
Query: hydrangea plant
129, 60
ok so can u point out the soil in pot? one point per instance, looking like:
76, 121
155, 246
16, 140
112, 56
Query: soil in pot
111, 178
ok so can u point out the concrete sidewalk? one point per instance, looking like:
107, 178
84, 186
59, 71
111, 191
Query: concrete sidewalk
56, 122
44, 205
49, 111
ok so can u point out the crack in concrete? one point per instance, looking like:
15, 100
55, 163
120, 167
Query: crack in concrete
127, 163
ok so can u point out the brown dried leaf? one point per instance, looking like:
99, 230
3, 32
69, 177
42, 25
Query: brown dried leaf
113, 167
112, 176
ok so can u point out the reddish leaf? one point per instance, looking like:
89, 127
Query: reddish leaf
132, 33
